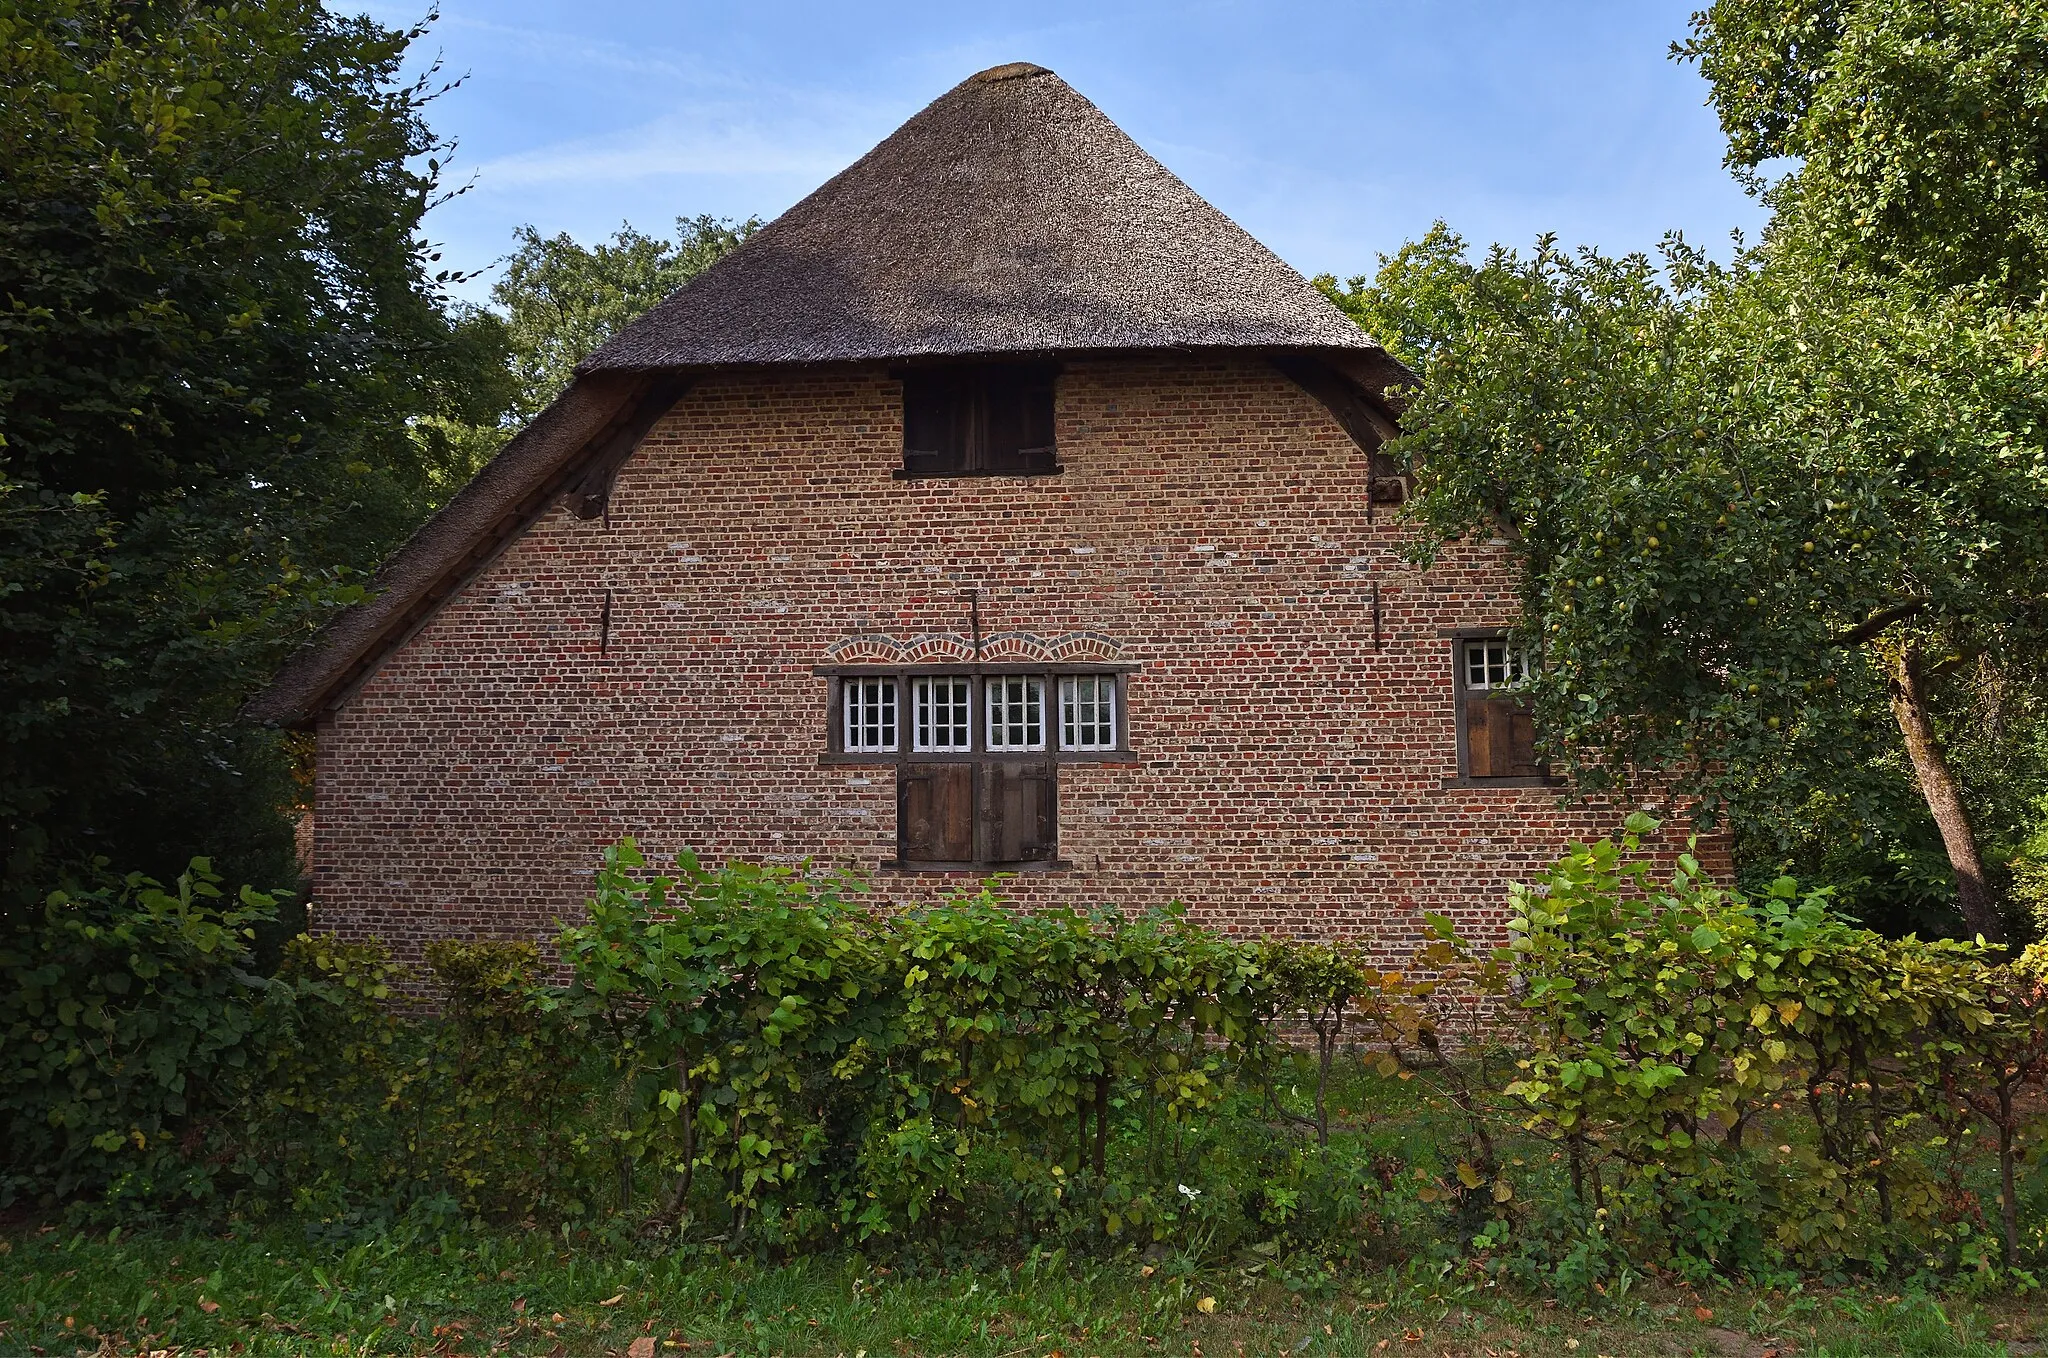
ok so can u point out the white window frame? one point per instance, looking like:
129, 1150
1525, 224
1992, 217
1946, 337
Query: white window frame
1100, 695
1500, 664
957, 706
869, 714
1014, 701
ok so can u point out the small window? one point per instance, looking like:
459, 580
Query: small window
941, 714
870, 711
1016, 712
1496, 733
1088, 712
1494, 664
984, 420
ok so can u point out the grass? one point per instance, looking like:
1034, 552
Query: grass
405, 1291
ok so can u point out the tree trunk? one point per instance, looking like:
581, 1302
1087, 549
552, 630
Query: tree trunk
1101, 1126
1326, 1047
2008, 1189
1944, 799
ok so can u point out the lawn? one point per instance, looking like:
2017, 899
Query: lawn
407, 1291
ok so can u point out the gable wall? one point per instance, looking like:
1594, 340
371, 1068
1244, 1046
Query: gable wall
1288, 774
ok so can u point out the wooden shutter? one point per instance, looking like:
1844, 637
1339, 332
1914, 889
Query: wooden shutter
1019, 812
935, 813
938, 423
1500, 739
1018, 409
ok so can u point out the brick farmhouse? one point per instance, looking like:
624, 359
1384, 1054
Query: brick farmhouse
1002, 506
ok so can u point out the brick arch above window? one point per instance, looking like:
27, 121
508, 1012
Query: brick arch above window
873, 649
1084, 646
940, 648
935, 648
1012, 646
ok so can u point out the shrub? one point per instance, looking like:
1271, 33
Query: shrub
1666, 1019
753, 1054
128, 1013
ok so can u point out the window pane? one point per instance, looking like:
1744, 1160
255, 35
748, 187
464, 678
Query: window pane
1016, 712
1494, 664
1088, 712
870, 714
941, 713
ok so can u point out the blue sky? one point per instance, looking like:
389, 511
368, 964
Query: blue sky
1332, 132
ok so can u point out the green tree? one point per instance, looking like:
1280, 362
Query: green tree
1918, 129
1784, 522
561, 299
217, 323
556, 302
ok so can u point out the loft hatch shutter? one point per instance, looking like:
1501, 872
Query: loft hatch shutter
1018, 413
938, 423
1500, 739
1018, 813
935, 813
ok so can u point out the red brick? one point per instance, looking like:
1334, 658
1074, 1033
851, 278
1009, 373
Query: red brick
1288, 776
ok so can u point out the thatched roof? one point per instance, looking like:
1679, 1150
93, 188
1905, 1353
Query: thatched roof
1009, 217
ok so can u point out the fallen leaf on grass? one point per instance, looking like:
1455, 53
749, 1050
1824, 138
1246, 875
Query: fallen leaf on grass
643, 1347
613, 1301
1207, 1306
208, 1306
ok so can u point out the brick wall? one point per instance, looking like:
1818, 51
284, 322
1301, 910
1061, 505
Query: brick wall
1289, 772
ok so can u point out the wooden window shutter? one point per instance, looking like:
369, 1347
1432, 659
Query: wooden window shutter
1019, 816
985, 419
1500, 739
935, 813
1018, 433
938, 423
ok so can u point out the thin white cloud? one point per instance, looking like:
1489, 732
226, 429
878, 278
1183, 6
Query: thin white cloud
678, 144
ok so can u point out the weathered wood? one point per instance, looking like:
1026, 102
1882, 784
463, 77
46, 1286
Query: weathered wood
590, 492
1019, 811
1500, 739
935, 813
1368, 424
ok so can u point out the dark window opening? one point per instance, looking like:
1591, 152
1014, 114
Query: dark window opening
1390, 481
985, 420
1496, 733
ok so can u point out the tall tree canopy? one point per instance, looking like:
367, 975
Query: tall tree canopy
559, 300
217, 326
1784, 522
562, 299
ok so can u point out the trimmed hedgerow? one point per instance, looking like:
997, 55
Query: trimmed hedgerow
1653, 1072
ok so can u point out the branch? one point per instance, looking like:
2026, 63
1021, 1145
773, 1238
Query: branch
1876, 623
1948, 664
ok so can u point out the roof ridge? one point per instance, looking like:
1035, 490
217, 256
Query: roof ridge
1009, 70
1009, 215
